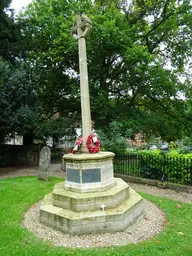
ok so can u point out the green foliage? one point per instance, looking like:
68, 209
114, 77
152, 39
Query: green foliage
56, 127
187, 141
172, 166
172, 145
112, 139
128, 79
128, 49
20, 108
5, 157
5, 4
25, 108
152, 164
178, 166
16, 240
10, 33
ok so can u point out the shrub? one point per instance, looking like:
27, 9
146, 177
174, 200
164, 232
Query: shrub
173, 166
178, 167
113, 140
151, 164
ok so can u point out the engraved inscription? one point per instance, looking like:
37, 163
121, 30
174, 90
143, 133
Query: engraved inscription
73, 175
91, 175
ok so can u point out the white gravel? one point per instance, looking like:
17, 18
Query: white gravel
167, 193
147, 226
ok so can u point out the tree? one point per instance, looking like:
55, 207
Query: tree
24, 98
23, 110
12, 74
128, 49
20, 109
10, 33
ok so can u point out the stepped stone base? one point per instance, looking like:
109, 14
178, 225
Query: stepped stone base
80, 213
91, 200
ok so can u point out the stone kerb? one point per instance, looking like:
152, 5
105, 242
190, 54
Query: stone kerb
89, 172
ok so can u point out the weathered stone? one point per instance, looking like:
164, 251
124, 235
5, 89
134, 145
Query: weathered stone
89, 172
44, 163
81, 202
80, 29
122, 215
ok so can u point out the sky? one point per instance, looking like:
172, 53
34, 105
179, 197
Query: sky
18, 4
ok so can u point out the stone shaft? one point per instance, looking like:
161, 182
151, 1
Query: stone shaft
85, 101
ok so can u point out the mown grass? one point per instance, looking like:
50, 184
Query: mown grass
18, 194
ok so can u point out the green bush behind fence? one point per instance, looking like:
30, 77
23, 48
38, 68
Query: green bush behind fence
171, 167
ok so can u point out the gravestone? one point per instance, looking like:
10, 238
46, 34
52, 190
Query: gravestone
44, 163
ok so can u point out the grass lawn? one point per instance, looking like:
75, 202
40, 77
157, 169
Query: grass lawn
18, 194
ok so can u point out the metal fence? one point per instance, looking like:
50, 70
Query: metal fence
162, 168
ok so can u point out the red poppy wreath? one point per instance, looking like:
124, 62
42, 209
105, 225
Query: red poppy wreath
93, 143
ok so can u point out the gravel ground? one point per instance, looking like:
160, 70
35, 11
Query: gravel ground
182, 197
147, 226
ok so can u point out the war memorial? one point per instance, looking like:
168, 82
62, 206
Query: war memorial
90, 200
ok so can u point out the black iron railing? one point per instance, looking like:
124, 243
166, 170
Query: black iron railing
161, 167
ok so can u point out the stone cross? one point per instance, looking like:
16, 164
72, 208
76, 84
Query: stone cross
80, 29
44, 163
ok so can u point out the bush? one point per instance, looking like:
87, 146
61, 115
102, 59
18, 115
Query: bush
178, 167
151, 164
173, 166
113, 140
115, 145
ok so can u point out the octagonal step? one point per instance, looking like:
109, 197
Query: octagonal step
90, 201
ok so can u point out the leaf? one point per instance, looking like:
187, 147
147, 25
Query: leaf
179, 206
180, 233
165, 221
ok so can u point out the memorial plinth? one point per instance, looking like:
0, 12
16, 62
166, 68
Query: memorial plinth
91, 200
89, 172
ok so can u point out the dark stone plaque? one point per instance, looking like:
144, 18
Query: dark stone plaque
91, 175
73, 175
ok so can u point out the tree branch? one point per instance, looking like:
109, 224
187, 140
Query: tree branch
160, 23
